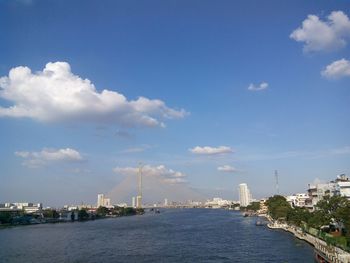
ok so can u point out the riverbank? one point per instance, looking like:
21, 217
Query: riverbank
332, 253
15, 219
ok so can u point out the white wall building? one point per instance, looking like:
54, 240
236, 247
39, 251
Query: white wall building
244, 195
27, 207
343, 188
218, 202
340, 186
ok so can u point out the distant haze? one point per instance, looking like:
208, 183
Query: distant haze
154, 190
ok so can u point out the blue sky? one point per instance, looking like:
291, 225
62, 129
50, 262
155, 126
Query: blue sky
192, 62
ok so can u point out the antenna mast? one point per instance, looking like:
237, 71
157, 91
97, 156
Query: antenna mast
277, 186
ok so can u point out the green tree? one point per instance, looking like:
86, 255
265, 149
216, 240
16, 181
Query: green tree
50, 213
343, 215
317, 219
333, 208
297, 216
6, 217
102, 211
278, 207
83, 215
254, 206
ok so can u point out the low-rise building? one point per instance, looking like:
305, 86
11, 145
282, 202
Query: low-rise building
218, 202
299, 200
29, 208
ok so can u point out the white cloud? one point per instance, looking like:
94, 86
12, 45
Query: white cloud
227, 169
261, 86
319, 35
166, 174
325, 153
56, 94
35, 159
337, 69
207, 150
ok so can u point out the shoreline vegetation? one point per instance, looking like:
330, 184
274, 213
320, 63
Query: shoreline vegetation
53, 216
327, 227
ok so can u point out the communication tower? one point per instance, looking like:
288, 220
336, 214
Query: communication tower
277, 186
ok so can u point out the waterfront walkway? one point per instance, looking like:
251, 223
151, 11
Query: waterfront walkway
335, 254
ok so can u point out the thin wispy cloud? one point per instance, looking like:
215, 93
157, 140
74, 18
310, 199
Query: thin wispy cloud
138, 149
337, 69
226, 169
207, 150
318, 35
259, 87
47, 156
55, 94
124, 134
298, 154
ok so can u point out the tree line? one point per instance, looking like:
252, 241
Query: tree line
331, 214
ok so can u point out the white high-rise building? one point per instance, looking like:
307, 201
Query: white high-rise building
100, 200
166, 202
244, 195
133, 202
103, 201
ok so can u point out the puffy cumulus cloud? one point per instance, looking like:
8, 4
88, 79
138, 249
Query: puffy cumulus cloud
337, 69
56, 94
35, 159
319, 35
261, 86
227, 169
207, 150
160, 171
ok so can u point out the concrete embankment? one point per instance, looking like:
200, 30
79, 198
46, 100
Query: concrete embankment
334, 254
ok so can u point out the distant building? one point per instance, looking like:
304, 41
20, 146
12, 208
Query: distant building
218, 202
319, 191
103, 201
340, 186
133, 203
165, 202
29, 208
244, 195
343, 189
100, 198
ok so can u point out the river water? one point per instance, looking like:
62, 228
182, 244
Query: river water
174, 235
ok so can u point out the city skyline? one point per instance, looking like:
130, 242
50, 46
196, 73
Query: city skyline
205, 95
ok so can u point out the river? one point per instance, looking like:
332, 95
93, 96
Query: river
174, 235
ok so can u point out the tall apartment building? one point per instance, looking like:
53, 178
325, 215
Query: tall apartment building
103, 201
244, 195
